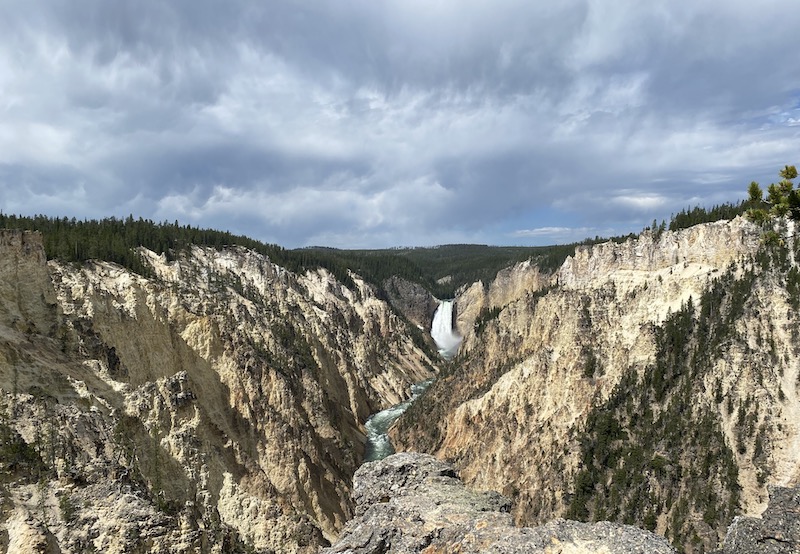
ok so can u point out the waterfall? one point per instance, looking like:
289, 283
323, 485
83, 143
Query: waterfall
442, 330
378, 444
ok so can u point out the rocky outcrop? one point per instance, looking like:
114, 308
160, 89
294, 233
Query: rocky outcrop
516, 282
412, 300
510, 284
523, 413
777, 531
27, 302
415, 503
470, 302
214, 405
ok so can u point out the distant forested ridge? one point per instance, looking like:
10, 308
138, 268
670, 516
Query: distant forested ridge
442, 270
115, 240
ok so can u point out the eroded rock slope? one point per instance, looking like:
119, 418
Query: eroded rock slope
652, 382
212, 406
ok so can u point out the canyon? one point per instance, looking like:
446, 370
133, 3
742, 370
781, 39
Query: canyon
652, 382
213, 406
215, 401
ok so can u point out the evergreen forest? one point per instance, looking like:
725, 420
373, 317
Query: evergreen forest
440, 269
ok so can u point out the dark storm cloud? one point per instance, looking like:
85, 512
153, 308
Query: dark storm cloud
361, 123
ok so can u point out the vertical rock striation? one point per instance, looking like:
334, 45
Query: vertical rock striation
213, 406
673, 353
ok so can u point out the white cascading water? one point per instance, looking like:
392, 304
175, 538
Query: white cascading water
442, 330
377, 426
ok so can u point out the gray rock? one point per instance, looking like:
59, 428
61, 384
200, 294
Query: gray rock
776, 532
412, 300
415, 503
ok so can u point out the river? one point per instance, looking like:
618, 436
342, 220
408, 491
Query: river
379, 445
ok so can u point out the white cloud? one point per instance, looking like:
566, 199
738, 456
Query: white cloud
639, 201
383, 123
561, 235
545, 232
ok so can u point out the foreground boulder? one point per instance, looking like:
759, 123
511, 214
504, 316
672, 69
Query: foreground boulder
415, 503
777, 531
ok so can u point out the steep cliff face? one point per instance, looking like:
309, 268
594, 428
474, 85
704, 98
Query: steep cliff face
212, 407
27, 302
599, 394
478, 302
412, 300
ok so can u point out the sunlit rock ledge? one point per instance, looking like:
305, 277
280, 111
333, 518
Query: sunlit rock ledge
412, 502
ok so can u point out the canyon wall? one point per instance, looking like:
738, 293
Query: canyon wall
653, 381
214, 405
412, 300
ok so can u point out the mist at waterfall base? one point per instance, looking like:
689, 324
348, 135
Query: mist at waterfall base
378, 443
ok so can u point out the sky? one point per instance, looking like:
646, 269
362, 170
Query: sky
381, 123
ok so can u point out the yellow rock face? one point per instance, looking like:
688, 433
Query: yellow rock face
224, 396
510, 414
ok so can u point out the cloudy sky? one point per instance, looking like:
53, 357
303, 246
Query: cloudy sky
376, 123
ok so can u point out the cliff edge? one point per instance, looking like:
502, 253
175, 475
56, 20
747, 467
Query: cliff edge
777, 531
412, 502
